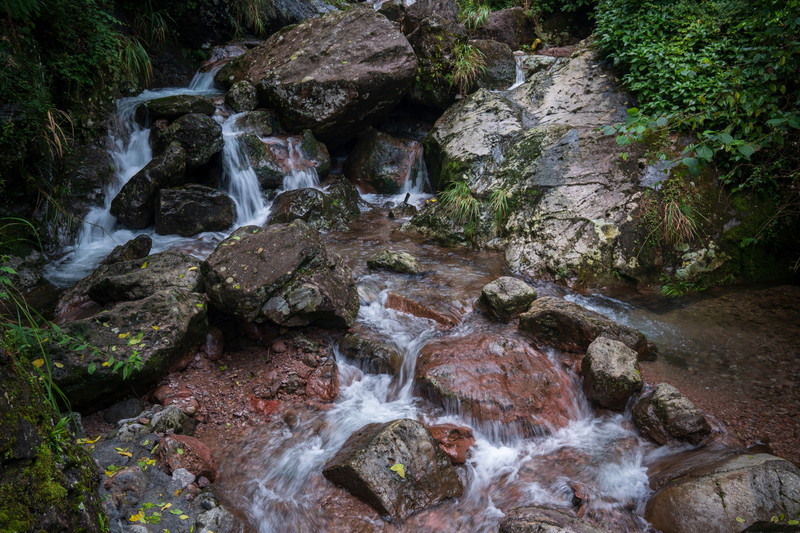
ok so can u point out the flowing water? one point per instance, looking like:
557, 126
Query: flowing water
272, 476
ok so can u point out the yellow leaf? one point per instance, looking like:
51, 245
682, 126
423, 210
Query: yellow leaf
144, 265
259, 250
123, 335
155, 328
400, 469
184, 517
125, 454
137, 517
166, 506
192, 268
105, 364
38, 362
178, 492
740, 519
87, 440
58, 365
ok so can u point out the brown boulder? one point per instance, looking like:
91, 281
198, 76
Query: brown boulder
454, 440
183, 451
408, 306
511, 26
496, 379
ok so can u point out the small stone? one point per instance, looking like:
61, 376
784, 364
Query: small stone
610, 373
279, 347
507, 297
182, 477
401, 262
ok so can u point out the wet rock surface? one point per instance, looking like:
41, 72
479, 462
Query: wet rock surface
401, 262
507, 297
501, 67
193, 209
567, 326
664, 413
241, 97
173, 107
535, 519
199, 135
319, 210
371, 355
281, 273
512, 27
333, 74
136, 248
381, 163
134, 205
453, 440
610, 373
728, 496
364, 467
495, 379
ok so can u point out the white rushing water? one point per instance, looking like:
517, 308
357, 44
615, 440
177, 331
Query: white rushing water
520, 72
416, 187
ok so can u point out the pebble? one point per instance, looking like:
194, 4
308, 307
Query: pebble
279, 347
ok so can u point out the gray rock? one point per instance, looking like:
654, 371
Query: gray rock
334, 74
286, 12
171, 417
131, 432
182, 477
664, 413
283, 273
422, 9
193, 209
28, 270
728, 496
381, 163
134, 204
331, 211
371, 355
241, 97
565, 325
401, 262
363, 467
507, 297
216, 520
533, 519
172, 107
261, 122
610, 373
199, 135
136, 248
501, 67
127, 329
392, 10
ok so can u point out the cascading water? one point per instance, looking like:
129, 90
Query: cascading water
520, 72
299, 177
240, 178
416, 186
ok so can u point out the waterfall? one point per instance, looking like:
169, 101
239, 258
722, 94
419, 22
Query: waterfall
520, 71
298, 177
240, 178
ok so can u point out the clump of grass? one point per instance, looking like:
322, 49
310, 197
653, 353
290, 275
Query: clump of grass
135, 60
498, 203
57, 139
681, 222
250, 14
469, 64
463, 208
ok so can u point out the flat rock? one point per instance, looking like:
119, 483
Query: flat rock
193, 209
401, 262
533, 519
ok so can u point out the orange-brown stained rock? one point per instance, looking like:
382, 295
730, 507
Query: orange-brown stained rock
404, 305
323, 383
496, 379
454, 440
182, 451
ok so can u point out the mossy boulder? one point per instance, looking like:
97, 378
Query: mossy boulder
664, 414
611, 373
47, 481
241, 97
160, 329
318, 209
506, 297
381, 163
173, 107
401, 262
282, 273
199, 135
371, 355
283, 156
500, 66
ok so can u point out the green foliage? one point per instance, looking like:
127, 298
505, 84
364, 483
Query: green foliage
470, 62
674, 287
726, 70
464, 208
498, 204
249, 15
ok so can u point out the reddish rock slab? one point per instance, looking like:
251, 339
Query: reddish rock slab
265, 407
215, 343
408, 306
182, 451
323, 382
455, 441
496, 379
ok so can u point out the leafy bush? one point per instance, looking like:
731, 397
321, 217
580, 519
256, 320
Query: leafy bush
727, 70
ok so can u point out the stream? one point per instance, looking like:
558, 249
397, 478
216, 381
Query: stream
272, 476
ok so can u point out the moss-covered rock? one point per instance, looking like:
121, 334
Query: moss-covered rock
46, 481
173, 107
199, 135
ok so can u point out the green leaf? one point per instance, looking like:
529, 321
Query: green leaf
633, 111
747, 150
693, 165
704, 152
92, 368
661, 122
175, 511
609, 130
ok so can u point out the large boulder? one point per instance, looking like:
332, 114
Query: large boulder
193, 209
241, 97
282, 273
610, 373
436, 41
285, 12
172, 107
136, 248
501, 67
367, 466
47, 482
334, 74
331, 210
664, 414
199, 135
134, 204
565, 325
495, 379
731, 495
153, 333
380, 163
507, 297
511, 26
533, 519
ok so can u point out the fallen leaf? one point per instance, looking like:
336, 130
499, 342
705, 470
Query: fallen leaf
144, 265
400, 469
192, 268
166, 506
184, 517
58, 365
38, 362
155, 328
